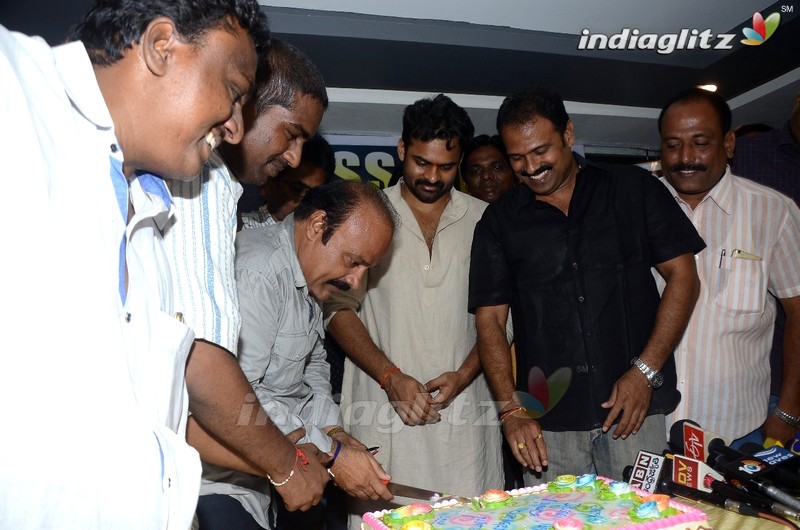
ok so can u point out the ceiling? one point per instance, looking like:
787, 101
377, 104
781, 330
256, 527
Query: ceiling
378, 56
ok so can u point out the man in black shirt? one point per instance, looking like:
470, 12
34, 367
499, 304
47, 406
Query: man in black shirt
570, 253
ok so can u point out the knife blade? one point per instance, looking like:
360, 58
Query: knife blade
412, 492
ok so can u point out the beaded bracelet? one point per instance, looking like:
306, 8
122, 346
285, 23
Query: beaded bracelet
386, 374
503, 416
298, 455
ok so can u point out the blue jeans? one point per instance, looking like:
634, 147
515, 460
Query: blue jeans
593, 451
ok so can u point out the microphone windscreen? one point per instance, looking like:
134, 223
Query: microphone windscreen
676, 435
750, 448
626, 473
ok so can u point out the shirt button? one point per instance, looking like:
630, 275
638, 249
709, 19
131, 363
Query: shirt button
696, 257
581, 299
575, 265
113, 148
427, 267
127, 317
588, 333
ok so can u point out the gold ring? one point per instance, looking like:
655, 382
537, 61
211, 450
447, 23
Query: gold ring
520, 445
539, 437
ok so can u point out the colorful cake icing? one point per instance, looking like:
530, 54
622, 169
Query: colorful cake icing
587, 502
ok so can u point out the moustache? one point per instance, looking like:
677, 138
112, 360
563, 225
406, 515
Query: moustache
674, 168
276, 165
339, 284
423, 182
537, 172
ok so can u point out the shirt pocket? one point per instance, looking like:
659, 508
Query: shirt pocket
289, 355
613, 245
740, 286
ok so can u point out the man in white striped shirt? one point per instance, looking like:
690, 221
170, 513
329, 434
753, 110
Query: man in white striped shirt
751, 259
284, 112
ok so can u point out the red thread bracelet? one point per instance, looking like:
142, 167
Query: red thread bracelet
387, 373
503, 416
298, 455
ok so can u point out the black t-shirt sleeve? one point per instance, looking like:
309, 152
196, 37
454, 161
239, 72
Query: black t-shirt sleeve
671, 233
489, 273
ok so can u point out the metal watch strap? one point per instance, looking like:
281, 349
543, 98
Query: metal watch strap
648, 372
794, 421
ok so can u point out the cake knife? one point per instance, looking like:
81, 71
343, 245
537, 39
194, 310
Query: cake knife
412, 492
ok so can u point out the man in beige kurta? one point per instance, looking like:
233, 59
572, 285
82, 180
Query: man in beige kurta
411, 333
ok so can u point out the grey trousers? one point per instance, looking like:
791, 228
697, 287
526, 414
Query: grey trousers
581, 452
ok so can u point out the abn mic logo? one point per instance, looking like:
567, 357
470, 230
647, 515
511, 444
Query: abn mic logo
544, 393
762, 29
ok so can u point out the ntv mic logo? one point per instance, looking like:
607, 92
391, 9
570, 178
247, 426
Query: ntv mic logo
685, 39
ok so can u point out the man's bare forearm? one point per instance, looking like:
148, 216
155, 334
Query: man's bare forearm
222, 402
215, 452
353, 337
494, 351
674, 310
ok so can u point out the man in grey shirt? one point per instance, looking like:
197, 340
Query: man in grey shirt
283, 272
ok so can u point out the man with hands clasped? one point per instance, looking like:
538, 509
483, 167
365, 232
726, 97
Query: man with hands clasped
570, 255
412, 382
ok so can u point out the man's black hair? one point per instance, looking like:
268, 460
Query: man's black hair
520, 107
319, 153
339, 199
285, 72
719, 104
112, 26
437, 118
482, 140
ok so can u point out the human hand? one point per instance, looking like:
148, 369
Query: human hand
524, 435
630, 397
305, 487
449, 385
296, 435
410, 399
358, 473
346, 439
777, 429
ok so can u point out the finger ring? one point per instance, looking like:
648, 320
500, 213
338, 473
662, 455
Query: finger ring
539, 437
520, 445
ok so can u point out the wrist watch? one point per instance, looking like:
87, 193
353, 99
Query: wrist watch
654, 377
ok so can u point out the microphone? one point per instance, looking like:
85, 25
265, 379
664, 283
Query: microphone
693, 473
750, 472
651, 473
736, 466
755, 500
686, 437
646, 471
751, 465
773, 456
670, 487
